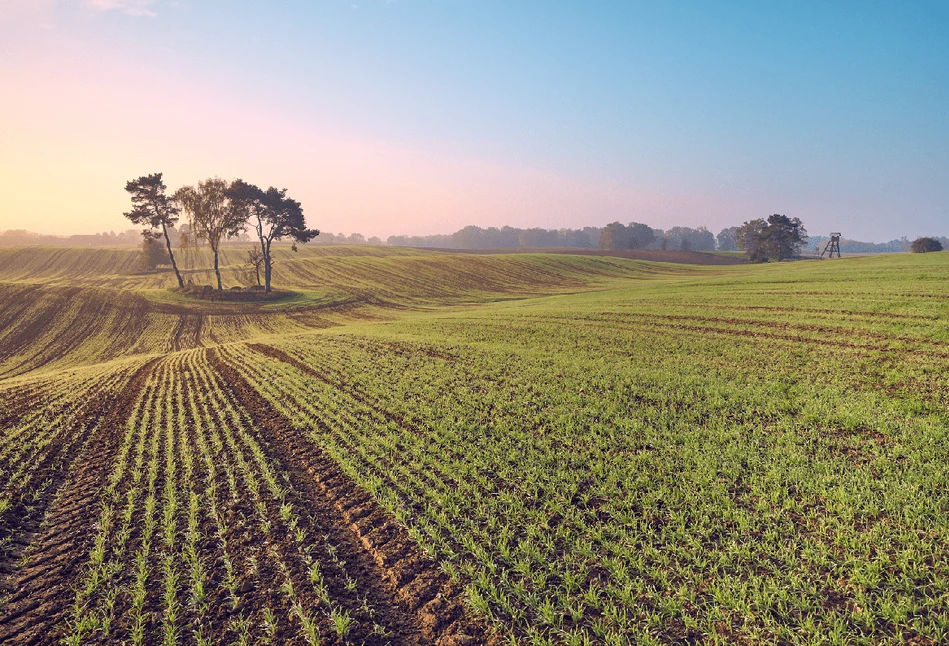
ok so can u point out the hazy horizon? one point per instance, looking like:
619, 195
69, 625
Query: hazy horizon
418, 117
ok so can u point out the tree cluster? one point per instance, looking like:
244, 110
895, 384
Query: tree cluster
342, 238
727, 239
634, 235
621, 236
474, 237
777, 238
688, 239
217, 210
926, 245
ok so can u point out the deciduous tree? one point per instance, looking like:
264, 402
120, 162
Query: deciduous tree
153, 254
255, 261
273, 215
777, 238
620, 236
726, 240
212, 215
152, 207
926, 245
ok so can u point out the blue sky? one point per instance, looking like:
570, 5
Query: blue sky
421, 116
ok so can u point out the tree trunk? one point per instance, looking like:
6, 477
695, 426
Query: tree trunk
267, 268
217, 272
171, 256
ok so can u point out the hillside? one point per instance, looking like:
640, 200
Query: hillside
453, 448
66, 307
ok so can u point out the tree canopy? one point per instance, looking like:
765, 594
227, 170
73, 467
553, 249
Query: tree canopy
926, 245
153, 208
689, 239
632, 236
273, 215
213, 216
777, 238
726, 239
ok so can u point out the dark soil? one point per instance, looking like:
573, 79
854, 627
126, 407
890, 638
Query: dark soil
40, 583
424, 603
235, 295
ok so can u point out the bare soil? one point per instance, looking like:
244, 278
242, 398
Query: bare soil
39, 581
235, 295
425, 604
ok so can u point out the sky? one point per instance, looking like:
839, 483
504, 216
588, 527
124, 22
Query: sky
423, 116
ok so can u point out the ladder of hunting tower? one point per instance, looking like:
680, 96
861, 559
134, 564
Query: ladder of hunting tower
833, 245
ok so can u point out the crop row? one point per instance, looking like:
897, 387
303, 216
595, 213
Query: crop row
201, 536
661, 491
45, 425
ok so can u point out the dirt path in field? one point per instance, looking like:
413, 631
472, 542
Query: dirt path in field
420, 598
40, 583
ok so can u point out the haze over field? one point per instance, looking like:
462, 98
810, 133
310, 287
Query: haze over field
419, 117
611, 378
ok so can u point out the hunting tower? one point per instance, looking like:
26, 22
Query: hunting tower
833, 245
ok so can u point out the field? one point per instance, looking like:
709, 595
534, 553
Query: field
425, 447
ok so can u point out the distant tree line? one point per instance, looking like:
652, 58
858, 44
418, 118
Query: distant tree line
614, 236
641, 236
473, 237
342, 238
17, 237
217, 210
899, 245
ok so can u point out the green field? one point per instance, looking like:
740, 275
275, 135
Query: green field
424, 447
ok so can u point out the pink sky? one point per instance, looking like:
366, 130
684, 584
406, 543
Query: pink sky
422, 116
78, 123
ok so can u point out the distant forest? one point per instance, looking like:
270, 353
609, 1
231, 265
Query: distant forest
473, 237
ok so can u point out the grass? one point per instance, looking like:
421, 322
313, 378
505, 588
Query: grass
597, 450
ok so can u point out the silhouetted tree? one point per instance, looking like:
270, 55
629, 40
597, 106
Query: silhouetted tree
779, 237
150, 206
926, 245
274, 216
213, 217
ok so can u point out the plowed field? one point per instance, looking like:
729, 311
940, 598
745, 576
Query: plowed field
426, 448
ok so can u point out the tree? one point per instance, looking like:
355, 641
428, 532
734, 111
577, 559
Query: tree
255, 261
689, 239
153, 254
726, 241
619, 236
777, 238
273, 215
640, 235
926, 245
613, 236
537, 237
150, 206
213, 217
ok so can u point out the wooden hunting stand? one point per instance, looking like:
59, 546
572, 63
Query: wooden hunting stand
833, 245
